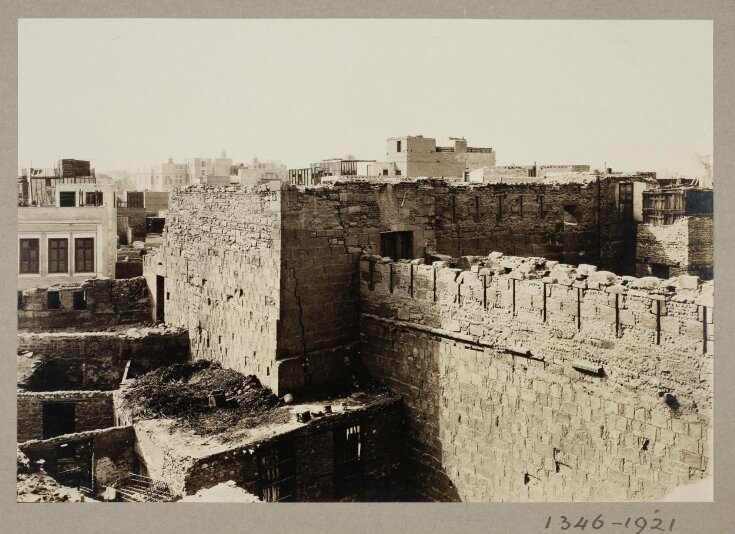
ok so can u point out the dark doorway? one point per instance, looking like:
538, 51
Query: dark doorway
397, 245
74, 464
53, 300
160, 293
80, 302
58, 419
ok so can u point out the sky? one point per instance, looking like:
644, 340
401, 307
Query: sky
130, 93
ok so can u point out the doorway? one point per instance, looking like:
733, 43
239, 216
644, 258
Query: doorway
58, 419
160, 294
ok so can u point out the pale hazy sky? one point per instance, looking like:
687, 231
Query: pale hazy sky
129, 93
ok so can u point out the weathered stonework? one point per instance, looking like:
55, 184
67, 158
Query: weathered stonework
106, 302
524, 380
108, 453
189, 462
685, 246
53, 361
92, 410
221, 263
266, 278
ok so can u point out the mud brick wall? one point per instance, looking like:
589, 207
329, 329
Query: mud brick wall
107, 302
97, 360
381, 427
530, 381
221, 261
92, 410
112, 452
136, 220
686, 246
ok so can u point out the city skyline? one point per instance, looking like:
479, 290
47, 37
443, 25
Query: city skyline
300, 91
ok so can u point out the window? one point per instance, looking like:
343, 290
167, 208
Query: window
385, 172
660, 270
58, 255
398, 173
84, 259
277, 473
67, 199
571, 215
397, 245
347, 460
28, 256
626, 202
93, 198
398, 146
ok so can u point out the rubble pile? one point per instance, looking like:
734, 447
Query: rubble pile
201, 395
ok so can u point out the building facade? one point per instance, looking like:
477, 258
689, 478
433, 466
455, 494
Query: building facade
70, 242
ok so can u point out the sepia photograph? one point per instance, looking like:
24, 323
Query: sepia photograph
354, 260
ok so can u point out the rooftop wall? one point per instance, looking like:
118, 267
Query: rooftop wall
104, 302
528, 380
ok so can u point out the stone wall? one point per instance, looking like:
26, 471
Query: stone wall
111, 452
92, 410
221, 262
381, 425
104, 302
266, 279
686, 247
527, 381
52, 361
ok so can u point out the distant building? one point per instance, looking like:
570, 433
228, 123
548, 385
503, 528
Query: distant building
210, 170
521, 173
677, 235
69, 241
418, 156
262, 171
167, 175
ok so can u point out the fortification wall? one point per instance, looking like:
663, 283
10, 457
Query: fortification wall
221, 261
95, 303
528, 380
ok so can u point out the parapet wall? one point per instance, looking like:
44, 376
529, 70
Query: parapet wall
95, 303
526, 380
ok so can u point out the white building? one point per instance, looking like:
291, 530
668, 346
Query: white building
73, 241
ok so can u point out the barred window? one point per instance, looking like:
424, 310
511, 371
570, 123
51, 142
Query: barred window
348, 468
29, 256
84, 259
58, 259
277, 473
